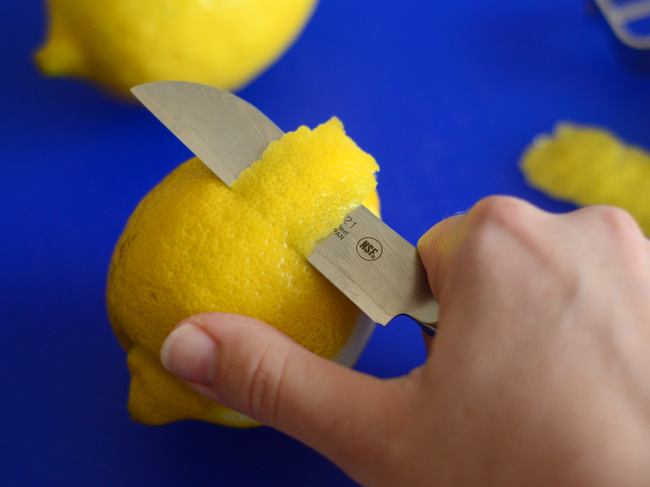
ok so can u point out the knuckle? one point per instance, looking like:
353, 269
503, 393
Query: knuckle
264, 385
619, 234
618, 222
502, 215
499, 211
491, 228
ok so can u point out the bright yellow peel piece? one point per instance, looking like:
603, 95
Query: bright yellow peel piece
591, 166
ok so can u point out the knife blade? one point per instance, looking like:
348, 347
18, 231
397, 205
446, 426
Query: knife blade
364, 258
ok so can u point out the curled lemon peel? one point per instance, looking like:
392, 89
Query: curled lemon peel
588, 165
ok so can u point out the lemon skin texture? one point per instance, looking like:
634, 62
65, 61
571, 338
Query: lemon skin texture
588, 165
123, 43
194, 245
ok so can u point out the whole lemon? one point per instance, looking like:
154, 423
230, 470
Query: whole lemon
195, 245
124, 43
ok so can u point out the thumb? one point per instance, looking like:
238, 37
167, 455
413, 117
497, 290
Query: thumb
257, 370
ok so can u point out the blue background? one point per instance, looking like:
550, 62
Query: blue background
445, 95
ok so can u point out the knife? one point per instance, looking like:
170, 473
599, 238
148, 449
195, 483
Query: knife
363, 257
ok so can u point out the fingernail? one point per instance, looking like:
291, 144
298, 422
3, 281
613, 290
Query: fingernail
190, 353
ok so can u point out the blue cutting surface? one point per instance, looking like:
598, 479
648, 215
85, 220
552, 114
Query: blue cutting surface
445, 95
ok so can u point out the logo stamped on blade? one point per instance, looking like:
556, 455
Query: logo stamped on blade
369, 248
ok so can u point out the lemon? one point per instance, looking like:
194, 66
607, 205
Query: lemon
194, 245
591, 166
124, 43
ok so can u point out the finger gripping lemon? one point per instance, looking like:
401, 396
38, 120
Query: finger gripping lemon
194, 245
124, 43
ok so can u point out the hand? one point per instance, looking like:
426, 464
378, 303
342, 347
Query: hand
539, 374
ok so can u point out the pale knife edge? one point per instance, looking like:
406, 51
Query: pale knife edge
196, 114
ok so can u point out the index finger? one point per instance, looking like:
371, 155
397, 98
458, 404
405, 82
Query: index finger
438, 241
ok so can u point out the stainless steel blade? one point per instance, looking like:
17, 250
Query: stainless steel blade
376, 268
225, 132
369, 262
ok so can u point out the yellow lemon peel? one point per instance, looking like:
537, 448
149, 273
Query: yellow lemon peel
590, 166
123, 43
194, 245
